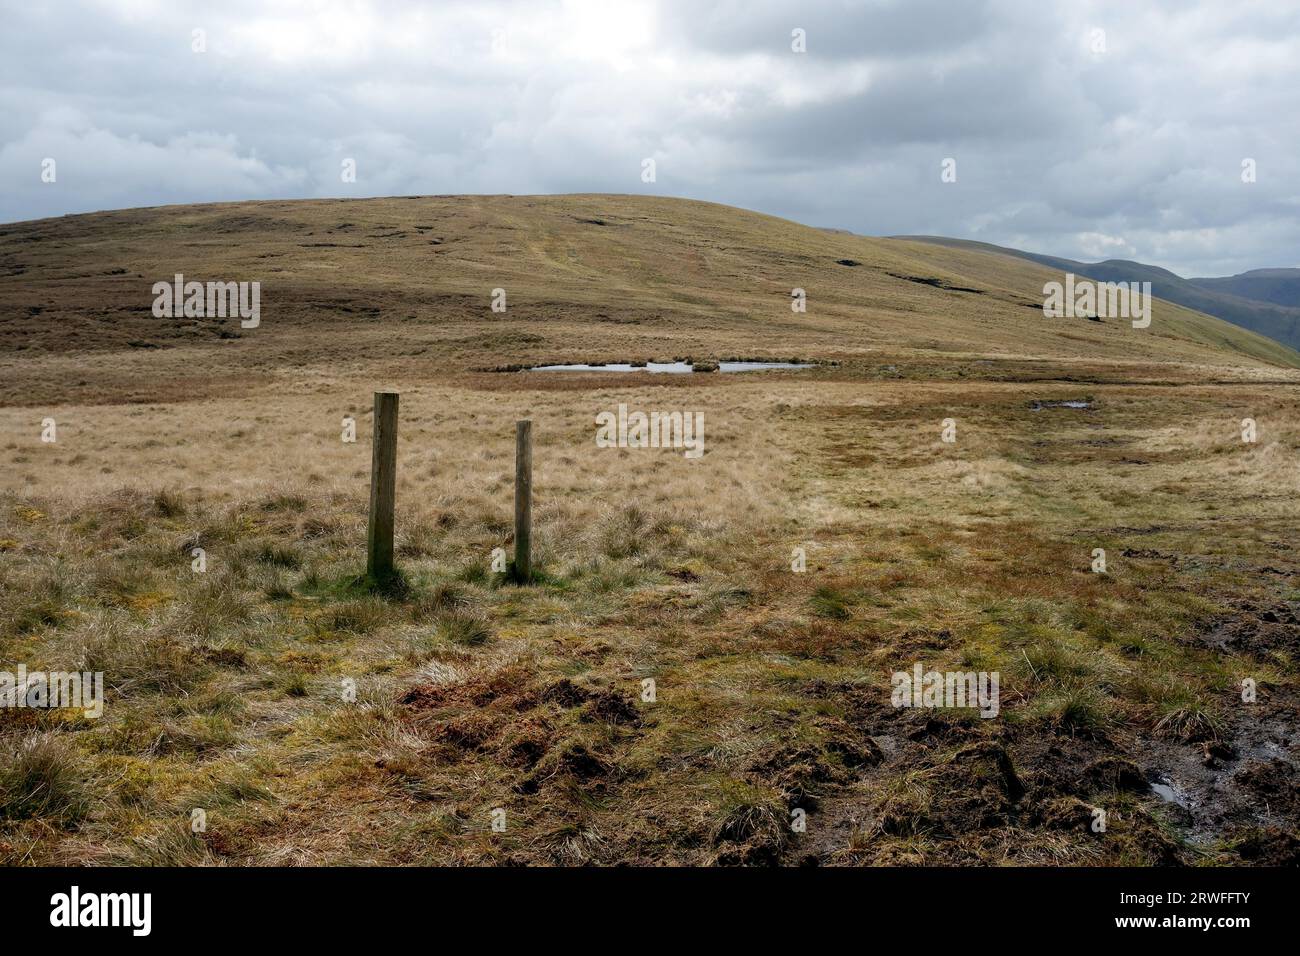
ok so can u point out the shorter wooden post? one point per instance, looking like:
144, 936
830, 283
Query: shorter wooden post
383, 488
523, 500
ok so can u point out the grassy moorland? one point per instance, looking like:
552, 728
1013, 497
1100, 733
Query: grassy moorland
226, 689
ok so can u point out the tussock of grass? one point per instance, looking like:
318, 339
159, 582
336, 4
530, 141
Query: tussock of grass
35, 615
34, 599
612, 576
174, 844
443, 596
463, 627
136, 662
1052, 661
278, 589
622, 533
283, 501
280, 556
420, 539
717, 599
232, 785
831, 602
751, 816
217, 602
903, 805
145, 734
41, 778
294, 685
1184, 716
1077, 712
169, 503
361, 616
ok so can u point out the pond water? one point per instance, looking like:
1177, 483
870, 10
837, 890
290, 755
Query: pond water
679, 368
1074, 403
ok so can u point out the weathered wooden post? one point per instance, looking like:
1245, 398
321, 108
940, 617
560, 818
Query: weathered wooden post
383, 488
523, 500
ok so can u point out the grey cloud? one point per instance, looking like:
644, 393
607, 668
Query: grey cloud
851, 30
1132, 151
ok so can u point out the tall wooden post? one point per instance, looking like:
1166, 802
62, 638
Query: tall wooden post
523, 500
383, 488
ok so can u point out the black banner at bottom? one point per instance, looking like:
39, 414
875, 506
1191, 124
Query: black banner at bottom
333, 906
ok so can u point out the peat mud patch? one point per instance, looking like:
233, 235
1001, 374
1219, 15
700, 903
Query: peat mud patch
1222, 795
950, 789
1257, 628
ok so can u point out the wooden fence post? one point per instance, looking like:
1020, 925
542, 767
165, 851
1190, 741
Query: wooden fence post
383, 488
523, 500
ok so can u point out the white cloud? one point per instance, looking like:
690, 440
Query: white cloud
97, 167
1060, 149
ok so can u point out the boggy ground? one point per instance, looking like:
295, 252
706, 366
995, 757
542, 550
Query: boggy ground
227, 688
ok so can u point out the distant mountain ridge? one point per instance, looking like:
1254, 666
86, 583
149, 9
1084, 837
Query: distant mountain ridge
1266, 301
1278, 286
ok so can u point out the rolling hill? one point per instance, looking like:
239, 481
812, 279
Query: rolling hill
408, 282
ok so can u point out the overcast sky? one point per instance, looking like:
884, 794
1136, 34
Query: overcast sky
1091, 129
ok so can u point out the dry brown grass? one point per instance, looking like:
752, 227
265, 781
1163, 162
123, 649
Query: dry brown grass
226, 688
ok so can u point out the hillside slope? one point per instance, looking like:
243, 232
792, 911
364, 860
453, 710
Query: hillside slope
1222, 298
410, 281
